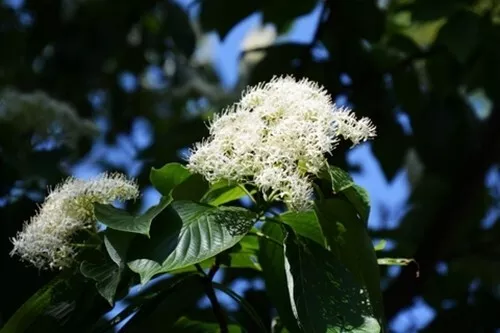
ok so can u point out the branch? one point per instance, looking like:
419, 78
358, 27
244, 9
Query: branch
468, 182
206, 280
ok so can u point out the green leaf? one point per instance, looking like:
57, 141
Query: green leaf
348, 239
192, 189
223, 192
461, 34
340, 179
117, 244
342, 183
271, 259
193, 233
325, 296
305, 224
107, 276
168, 177
360, 199
244, 304
242, 255
235, 11
178, 25
186, 325
381, 245
34, 307
119, 219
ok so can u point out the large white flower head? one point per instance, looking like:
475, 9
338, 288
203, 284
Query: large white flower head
46, 239
276, 138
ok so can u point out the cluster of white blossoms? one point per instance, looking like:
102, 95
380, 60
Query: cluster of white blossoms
46, 117
46, 239
276, 137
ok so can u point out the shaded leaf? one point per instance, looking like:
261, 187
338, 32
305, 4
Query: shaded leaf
461, 34
324, 294
348, 239
107, 276
271, 259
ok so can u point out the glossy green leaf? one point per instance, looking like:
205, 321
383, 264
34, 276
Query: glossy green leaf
107, 276
271, 259
325, 295
168, 177
242, 255
348, 239
223, 192
193, 233
122, 220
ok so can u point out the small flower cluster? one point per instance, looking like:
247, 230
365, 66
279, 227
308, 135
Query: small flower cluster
45, 116
276, 137
46, 240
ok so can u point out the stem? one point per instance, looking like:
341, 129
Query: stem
266, 237
206, 280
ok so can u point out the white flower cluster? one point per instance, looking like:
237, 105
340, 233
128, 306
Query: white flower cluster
46, 240
276, 137
45, 116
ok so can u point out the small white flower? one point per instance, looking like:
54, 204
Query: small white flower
46, 240
276, 138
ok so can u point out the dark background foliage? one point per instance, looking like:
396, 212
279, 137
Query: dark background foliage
422, 59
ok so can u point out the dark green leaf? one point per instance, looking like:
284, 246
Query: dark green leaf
271, 259
461, 34
191, 189
348, 239
168, 177
107, 276
223, 192
340, 179
122, 220
193, 233
359, 198
117, 243
326, 297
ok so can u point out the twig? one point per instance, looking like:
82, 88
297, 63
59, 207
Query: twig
206, 280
